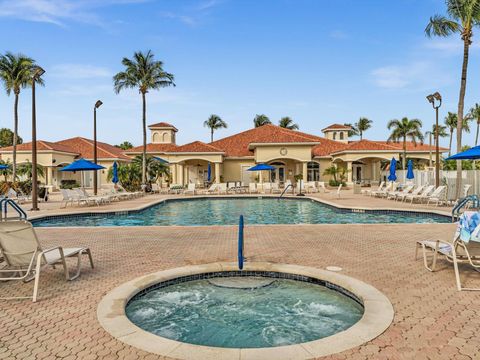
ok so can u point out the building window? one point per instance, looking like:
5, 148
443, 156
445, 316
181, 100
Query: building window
341, 135
334, 135
164, 137
156, 137
313, 171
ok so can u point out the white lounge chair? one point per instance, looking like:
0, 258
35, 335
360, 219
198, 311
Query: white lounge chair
24, 256
423, 195
16, 196
394, 194
456, 252
222, 188
310, 187
402, 196
383, 192
321, 186
275, 189
438, 196
267, 188
252, 188
371, 190
213, 189
190, 189
91, 199
155, 188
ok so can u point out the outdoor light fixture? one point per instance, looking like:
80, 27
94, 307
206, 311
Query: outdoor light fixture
436, 100
95, 177
36, 76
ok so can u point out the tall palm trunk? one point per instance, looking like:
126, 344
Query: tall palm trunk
461, 104
450, 143
15, 135
361, 135
144, 150
476, 135
211, 135
404, 153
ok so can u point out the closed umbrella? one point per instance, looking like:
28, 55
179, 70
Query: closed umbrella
410, 174
209, 173
115, 173
393, 168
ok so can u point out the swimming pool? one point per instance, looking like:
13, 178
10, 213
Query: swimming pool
232, 314
226, 211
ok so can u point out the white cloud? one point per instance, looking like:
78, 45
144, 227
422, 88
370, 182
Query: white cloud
396, 77
57, 11
79, 71
338, 34
188, 20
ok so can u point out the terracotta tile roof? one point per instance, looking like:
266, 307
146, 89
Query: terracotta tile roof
84, 147
162, 125
152, 148
197, 146
337, 127
411, 146
238, 144
42, 145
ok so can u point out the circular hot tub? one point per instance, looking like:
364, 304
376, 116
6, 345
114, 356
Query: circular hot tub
265, 311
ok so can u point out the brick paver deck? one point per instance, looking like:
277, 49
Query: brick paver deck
432, 320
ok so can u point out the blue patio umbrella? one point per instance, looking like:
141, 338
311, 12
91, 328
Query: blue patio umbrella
209, 172
261, 167
115, 173
82, 165
410, 170
393, 167
163, 161
3, 167
470, 154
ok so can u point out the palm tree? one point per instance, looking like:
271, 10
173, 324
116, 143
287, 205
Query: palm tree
287, 123
474, 113
363, 124
353, 129
144, 73
463, 15
442, 132
214, 122
261, 120
16, 72
452, 125
405, 129
125, 145
26, 169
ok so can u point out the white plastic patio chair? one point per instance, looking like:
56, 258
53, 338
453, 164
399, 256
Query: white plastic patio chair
190, 189
337, 193
456, 252
402, 196
423, 195
321, 186
24, 256
252, 188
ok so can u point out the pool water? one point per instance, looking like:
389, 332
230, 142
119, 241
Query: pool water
283, 313
226, 211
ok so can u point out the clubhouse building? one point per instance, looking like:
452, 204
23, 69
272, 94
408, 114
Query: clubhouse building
291, 152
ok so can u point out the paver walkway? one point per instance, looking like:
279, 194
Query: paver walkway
432, 320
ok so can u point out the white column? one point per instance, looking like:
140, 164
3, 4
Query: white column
49, 175
349, 172
173, 173
304, 172
217, 173
180, 174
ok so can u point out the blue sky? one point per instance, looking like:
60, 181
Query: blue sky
317, 61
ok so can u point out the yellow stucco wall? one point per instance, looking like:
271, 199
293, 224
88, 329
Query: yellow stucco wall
297, 152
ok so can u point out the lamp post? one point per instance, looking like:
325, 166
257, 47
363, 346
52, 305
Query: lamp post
436, 100
95, 177
36, 76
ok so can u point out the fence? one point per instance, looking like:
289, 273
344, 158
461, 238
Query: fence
447, 178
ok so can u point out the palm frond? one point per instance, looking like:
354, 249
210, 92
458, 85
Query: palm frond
442, 26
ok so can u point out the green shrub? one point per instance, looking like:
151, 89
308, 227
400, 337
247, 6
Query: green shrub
68, 184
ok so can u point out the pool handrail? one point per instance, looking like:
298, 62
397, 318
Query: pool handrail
285, 190
241, 246
463, 203
22, 215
